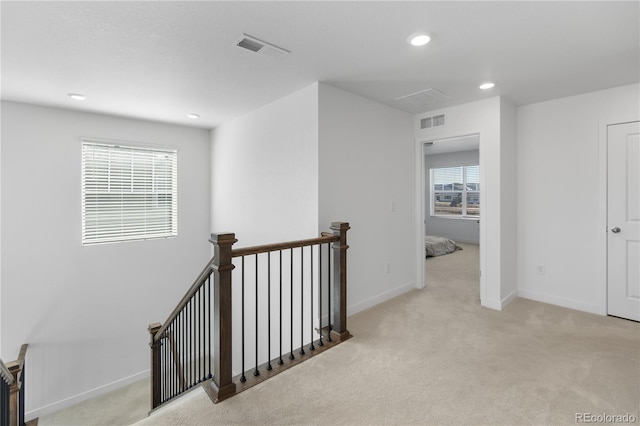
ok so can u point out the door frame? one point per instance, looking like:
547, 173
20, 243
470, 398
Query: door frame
422, 211
602, 210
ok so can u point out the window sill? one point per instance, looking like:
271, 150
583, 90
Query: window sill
455, 217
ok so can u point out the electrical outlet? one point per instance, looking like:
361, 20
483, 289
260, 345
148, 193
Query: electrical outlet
540, 269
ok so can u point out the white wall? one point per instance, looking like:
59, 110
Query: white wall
482, 117
366, 166
508, 202
459, 230
561, 173
1, 353
84, 310
264, 175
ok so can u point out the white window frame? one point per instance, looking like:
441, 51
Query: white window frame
129, 192
465, 192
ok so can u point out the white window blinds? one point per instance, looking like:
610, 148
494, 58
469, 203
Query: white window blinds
128, 193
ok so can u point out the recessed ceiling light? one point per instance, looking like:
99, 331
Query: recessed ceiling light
418, 39
193, 116
77, 96
488, 85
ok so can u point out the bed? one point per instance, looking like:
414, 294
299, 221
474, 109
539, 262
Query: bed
437, 246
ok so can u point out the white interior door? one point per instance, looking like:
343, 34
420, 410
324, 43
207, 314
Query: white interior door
623, 217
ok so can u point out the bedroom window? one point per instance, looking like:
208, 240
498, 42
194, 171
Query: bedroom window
128, 193
455, 191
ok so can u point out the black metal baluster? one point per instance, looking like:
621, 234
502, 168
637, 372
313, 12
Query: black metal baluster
320, 294
181, 345
176, 332
280, 361
291, 356
209, 301
184, 349
242, 377
169, 363
204, 331
196, 328
176, 352
256, 372
23, 380
163, 363
195, 338
301, 301
269, 367
192, 349
201, 336
183, 353
329, 292
4, 406
179, 349
311, 347
200, 322
187, 342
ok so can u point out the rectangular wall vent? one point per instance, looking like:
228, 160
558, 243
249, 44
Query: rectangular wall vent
425, 123
258, 46
429, 122
438, 120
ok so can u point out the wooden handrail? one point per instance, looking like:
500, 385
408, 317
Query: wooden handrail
185, 299
246, 251
22, 355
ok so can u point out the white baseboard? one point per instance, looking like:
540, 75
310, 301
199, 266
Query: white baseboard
491, 304
73, 400
499, 305
468, 242
383, 297
560, 301
506, 300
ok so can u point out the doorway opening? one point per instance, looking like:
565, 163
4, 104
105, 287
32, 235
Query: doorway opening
451, 205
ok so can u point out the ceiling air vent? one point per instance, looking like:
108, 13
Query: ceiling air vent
423, 98
258, 46
429, 122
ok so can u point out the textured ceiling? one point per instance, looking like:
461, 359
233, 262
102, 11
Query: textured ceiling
159, 60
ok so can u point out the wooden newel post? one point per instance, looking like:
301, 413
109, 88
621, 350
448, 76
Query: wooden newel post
339, 328
15, 408
222, 385
14, 392
155, 364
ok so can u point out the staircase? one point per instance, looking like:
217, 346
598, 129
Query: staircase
250, 314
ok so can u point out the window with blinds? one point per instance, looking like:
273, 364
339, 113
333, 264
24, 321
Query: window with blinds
455, 191
128, 193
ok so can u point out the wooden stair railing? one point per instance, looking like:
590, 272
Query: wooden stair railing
194, 345
12, 390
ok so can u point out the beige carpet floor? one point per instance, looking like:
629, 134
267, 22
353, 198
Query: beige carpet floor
434, 356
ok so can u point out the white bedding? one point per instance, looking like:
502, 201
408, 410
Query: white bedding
437, 246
